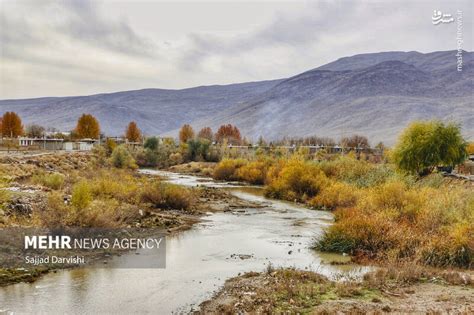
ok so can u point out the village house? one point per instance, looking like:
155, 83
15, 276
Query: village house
41, 143
56, 144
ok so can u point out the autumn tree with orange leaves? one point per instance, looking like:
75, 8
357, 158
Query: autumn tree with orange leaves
230, 133
133, 134
186, 133
87, 127
206, 133
11, 125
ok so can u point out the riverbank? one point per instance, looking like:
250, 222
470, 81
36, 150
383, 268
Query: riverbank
223, 244
37, 191
403, 289
301, 292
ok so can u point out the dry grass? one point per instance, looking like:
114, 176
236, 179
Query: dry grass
289, 291
106, 213
91, 194
168, 196
51, 180
116, 184
358, 173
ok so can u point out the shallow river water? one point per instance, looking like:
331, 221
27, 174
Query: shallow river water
198, 261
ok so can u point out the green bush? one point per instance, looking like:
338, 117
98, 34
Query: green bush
425, 145
121, 158
164, 157
198, 149
151, 143
356, 172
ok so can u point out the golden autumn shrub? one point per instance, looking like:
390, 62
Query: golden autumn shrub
454, 246
336, 194
398, 222
295, 179
253, 172
116, 184
167, 196
227, 169
355, 232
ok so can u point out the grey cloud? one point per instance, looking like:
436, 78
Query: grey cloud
294, 31
87, 24
39, 39
350, 26
77, 21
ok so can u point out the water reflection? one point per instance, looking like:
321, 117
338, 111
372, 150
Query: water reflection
198, 261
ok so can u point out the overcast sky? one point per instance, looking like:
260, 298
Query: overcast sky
58, 48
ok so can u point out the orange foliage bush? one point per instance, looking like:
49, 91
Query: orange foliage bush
227, 169
398, 222
253, 172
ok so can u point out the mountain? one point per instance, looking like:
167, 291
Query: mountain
155, 110
372, 94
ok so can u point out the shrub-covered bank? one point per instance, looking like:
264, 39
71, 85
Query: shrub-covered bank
381, 214
89, 190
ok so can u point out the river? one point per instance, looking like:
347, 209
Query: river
198, 261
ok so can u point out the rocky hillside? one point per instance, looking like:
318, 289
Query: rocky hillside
373, 94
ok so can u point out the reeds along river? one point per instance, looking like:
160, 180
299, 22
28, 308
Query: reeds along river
198, 261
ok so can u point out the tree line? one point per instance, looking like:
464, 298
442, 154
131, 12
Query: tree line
226, 133
422, 146
87, 127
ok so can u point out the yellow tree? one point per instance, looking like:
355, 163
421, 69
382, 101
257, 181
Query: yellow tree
470, 148
186, 133
88, 127
133, 134
11, 125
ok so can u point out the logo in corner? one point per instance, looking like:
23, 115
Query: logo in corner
438, 17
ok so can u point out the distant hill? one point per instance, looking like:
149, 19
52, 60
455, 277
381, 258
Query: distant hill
373, 94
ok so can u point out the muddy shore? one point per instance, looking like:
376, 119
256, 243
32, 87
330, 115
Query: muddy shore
172, 221
302, 292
